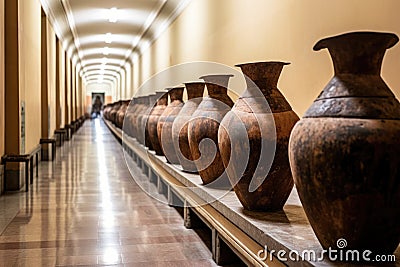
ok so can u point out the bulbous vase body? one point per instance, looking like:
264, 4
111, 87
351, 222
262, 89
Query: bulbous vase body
140, 106
113, 112
144, 133
253, 140
203, 131
140, 133
120, 116
165, 122
180, 133
162, 100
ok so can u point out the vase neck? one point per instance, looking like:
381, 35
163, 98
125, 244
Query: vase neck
195, 89
176, 93
215, 91
146, 100
217, 85
162, 98
358, 52
152, 100
262, 80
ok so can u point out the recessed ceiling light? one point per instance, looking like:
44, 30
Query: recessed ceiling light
106, 50
112, 15
108, 38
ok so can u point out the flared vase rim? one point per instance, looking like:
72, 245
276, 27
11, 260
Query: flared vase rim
216, 75
175, 88
283, 63
194, 82
321, 44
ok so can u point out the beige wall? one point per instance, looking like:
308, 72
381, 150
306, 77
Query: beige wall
51, 69
123, 84
237, 31
61, 84
73, 93
128, 80
29, 69
77, 94
68, 90
2, 78
118, 88
82, 96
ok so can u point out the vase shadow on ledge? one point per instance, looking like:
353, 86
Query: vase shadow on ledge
276, 216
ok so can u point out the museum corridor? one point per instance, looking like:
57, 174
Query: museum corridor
180, 133
85, 209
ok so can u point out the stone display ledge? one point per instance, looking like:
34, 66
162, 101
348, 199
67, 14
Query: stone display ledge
243, 231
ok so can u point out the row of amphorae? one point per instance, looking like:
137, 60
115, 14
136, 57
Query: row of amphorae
343, 155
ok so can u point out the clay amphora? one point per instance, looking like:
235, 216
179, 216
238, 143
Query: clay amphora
203, 127
195, 91
253, 140
164, 125
162, 101
344, 152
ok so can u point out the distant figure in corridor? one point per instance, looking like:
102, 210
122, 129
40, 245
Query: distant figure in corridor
96, 107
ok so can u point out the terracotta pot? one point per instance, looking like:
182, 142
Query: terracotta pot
106, 111
113, 112
253, 140
144, 133
127, 125
204, 127
138, 124
195, 91
133, 118
344, 153
164, 125
121, 113
162, 101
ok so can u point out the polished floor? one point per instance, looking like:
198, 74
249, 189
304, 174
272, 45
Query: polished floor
85, 209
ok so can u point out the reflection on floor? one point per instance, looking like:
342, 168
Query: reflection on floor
85, 209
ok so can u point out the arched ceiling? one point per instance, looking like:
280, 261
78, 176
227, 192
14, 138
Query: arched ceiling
101, 35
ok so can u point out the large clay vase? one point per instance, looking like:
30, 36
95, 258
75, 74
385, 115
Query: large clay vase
120, 116
143, 119
164, 125
254, 137
344, 153
133, 118
106, 111
113, 112
127, 126
162, 101
203, 128
195, 91
139, 130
